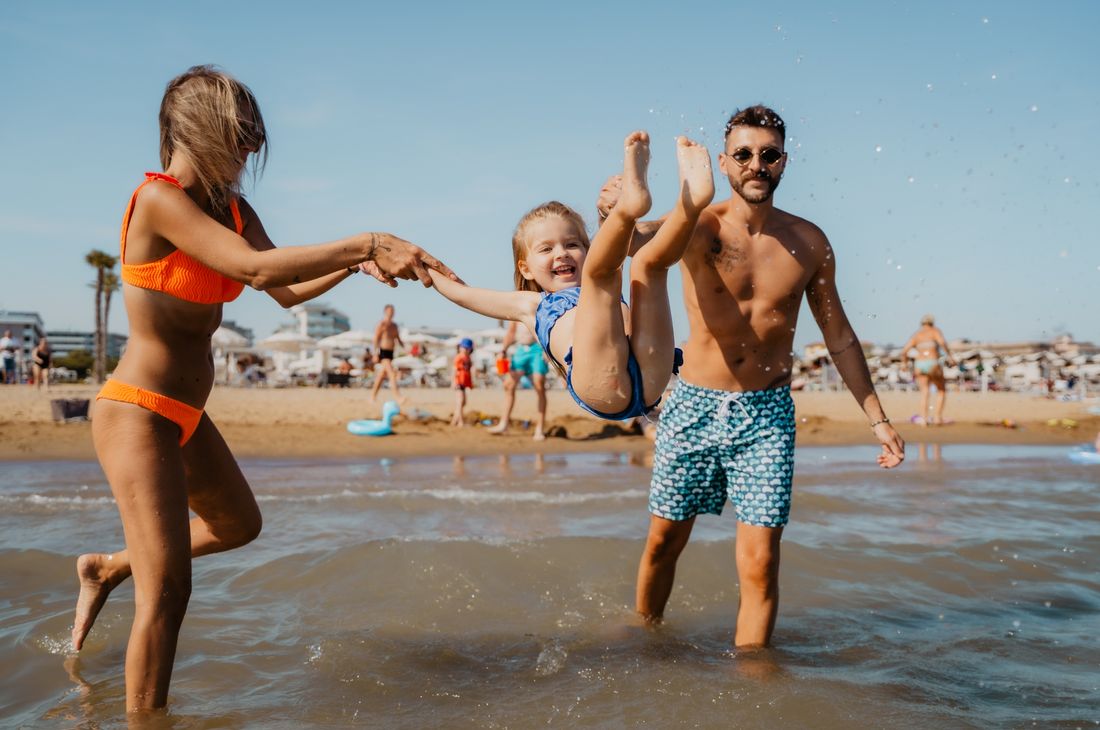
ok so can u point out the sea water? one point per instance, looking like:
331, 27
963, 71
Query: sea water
960, 590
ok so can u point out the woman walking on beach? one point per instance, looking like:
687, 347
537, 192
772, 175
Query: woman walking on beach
928, 367
190, 243
40, 363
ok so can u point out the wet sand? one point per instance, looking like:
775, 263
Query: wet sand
311, 422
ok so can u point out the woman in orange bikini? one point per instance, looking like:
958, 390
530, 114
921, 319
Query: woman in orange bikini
189, 244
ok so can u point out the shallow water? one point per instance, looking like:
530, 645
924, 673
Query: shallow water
959, 591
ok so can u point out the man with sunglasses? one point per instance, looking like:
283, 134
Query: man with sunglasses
727, 430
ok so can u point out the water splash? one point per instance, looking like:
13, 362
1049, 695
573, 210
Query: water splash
551, 659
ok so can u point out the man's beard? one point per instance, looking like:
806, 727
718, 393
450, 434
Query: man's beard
756, 198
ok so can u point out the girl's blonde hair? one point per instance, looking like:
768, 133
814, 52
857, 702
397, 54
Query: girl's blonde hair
213, 119
520, 240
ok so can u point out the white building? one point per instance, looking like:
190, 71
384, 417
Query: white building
62, 342
26, 329
319, 320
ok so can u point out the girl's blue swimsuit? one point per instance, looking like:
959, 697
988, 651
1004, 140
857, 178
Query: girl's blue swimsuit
551, 307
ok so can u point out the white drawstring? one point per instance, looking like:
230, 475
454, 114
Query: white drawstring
724, 409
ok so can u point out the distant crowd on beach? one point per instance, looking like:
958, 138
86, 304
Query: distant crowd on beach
1062, 368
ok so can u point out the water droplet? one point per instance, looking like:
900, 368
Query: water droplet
1015, 624
1046, 603
1065, 180
928, 86
1034, 107
899, 267
994, 77
878, 148
650, 111
912, 179
985, 21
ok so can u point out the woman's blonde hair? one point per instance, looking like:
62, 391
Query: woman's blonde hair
214, 120
520, 240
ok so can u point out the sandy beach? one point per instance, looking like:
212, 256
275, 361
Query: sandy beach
310, 422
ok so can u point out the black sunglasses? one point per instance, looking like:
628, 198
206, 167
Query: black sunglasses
768, 155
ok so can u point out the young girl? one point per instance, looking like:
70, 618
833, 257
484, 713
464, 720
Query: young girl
616, 362
190, 243
463, 379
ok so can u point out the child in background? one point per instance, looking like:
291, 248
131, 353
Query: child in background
616, 361
463, 379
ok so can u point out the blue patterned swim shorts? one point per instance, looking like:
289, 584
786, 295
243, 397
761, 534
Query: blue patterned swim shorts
714, 444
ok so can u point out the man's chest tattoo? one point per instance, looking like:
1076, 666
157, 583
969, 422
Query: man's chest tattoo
725, 256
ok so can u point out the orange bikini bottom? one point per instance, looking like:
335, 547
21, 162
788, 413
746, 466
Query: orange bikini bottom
185, 416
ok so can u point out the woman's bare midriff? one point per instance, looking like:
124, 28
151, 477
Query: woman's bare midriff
169, 347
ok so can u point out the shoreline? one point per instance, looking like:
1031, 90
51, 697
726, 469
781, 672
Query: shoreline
311, 423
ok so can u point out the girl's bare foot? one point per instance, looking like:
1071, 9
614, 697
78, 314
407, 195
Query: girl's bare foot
95, 586
635, 199
499, 428
539, 436
696, 177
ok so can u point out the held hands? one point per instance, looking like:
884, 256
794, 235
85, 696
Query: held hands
609, 195
893, 448
393, 258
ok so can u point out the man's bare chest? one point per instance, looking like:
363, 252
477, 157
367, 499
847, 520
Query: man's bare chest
749, 268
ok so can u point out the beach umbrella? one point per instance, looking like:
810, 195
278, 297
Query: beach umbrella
227, 339
347, 340
408, 362
286, 342
483, 355
419, 337
439, 363
493, 333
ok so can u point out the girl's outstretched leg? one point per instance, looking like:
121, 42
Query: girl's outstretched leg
651, 318
612, 242
600, 345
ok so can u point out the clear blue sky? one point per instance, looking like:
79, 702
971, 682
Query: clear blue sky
949, 150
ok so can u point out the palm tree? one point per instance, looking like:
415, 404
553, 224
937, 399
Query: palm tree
103, 262
111, 284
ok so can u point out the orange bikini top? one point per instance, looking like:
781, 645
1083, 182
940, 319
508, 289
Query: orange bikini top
178, 274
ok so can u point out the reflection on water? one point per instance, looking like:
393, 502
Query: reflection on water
929, 453
960, 590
